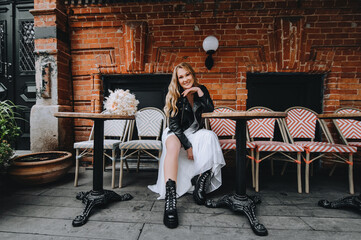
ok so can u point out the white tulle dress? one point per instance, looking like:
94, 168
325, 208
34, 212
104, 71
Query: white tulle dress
207, 155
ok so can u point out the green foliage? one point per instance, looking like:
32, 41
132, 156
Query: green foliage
6, 152
9, 130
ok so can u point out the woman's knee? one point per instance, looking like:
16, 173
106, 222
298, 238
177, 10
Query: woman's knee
173, 144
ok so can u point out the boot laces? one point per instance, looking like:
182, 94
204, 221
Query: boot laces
171, 199
205, 176
206, 179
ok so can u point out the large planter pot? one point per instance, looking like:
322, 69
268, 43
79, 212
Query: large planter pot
40, 168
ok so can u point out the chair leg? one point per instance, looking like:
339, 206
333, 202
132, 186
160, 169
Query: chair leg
257, 172
138, 160
332, 170
307, 172
299, 181
126, 164
113, 168
284, 168
350, 174
252, 165
121, 168
76, 168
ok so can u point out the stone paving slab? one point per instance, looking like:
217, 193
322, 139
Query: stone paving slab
153, 231
34, 191
70, 202
139, 195
315, 211
319, 235
263, 209
334, 224
63, 228
28, 236
131, 179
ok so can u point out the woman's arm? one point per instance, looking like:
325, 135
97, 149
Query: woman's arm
175, 127
206, 100
203, 94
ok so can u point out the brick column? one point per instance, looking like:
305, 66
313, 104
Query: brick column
53, 78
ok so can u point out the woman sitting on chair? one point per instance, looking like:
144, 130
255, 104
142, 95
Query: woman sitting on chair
191, 155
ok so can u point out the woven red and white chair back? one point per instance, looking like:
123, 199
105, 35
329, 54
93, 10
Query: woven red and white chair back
350, 129
262, 127
222, 126
301, 123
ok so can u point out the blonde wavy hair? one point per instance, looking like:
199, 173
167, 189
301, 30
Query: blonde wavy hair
174, 88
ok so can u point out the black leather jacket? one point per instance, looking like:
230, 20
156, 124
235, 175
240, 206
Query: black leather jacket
184, 118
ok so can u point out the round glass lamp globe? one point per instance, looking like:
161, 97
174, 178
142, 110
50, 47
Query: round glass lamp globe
210, 43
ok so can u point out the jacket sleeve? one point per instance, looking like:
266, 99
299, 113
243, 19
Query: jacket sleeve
206, 100
174, 126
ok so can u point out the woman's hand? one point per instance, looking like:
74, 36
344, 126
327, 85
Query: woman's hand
190, 153
193, 90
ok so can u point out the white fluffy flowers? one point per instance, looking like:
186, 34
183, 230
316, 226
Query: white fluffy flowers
121, 102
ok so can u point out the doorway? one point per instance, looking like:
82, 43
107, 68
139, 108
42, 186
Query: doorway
17, 62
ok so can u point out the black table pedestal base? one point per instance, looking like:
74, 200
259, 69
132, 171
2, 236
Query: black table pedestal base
241, 204
93, 199
346, 202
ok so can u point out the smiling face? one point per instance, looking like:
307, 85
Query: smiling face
185, 78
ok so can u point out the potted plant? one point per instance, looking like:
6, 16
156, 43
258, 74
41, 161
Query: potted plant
29, 169
9, 131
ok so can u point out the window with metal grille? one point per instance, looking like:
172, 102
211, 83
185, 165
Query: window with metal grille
26, 49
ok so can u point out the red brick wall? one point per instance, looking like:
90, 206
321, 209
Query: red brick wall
47, 14
254, 36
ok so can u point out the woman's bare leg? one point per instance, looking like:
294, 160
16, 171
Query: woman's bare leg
170, 218
173, 146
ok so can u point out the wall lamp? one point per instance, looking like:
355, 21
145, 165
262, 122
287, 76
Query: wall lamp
210, 45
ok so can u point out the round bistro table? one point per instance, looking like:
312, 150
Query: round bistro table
240, 201
97, 197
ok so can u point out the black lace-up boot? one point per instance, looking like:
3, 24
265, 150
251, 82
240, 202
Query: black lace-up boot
201, 184
170, 210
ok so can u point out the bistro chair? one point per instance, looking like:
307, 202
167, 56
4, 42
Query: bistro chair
261, 132
115, 132
301, 126
349, 129
225, 129
150, 123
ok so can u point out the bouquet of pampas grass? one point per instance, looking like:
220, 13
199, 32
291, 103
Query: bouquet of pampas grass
121, 102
